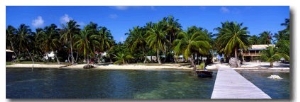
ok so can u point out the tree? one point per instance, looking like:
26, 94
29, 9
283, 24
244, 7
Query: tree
122, 57
49, 39
190, 42
231, 37
283, 38
265, 37
84, 42
271, 54
23, 39
253, 40
69, 30
136, 41
156, 39
11, 38
105, 39
172, 28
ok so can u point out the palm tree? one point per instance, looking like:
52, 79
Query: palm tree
283, 38
190, 42
271, 54
49, 39
23, 39
105, 39
172, 28
85, 41
231, 37
156, 39
11, 38
136, 40
265, 37
253, 40
122, 57
69, 30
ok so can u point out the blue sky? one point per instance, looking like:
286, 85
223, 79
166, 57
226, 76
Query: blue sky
119, 19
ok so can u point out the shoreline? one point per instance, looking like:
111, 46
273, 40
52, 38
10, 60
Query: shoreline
103, 67
251, 66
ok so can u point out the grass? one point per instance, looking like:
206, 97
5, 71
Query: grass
8, 63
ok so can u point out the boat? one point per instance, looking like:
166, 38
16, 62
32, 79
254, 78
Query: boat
88, 66
204, 73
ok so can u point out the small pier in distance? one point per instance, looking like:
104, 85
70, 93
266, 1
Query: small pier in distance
230, 84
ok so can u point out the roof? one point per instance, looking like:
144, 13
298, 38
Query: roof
8, 50
260, 47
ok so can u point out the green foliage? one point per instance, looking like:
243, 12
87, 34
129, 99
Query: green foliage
165, 37
265, 37
231, 37
192, 41
283, 40
271, 54
85, 42
201, 66
122, 57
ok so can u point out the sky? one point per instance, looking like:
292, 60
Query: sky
119, 19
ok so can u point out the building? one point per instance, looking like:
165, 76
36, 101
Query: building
9, 55
254, 52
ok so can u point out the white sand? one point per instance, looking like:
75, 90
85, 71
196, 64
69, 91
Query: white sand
111, 66
33, 65
245, 65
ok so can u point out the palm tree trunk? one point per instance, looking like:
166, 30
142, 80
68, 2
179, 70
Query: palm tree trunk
76, 57
145, 57
192, 63
12, 47
88, 60
271, 64
72, 57
31, 58
198, 60
235, 53
175, 58
56, 58
158, 57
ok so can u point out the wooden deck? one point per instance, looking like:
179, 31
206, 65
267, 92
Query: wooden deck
231, 85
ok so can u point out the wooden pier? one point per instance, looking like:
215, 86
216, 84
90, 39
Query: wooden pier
230, 84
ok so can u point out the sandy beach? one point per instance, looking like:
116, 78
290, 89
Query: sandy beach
109, 66
245, 66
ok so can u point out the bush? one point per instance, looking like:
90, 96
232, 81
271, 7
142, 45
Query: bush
201, 66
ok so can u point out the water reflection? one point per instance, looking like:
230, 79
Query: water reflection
106, 84
276, 89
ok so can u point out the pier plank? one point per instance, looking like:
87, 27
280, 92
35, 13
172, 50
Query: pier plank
230, 84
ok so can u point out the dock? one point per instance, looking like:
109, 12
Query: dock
229, 84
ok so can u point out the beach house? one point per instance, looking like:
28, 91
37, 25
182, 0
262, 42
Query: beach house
254, 52
9, 55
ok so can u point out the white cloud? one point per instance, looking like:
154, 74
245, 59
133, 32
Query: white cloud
65, 19
38, 22
121, 7
225, 10
113, 16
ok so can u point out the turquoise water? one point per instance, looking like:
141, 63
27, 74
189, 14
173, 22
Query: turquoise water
105, 84
276, 89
